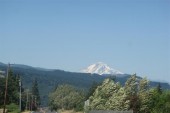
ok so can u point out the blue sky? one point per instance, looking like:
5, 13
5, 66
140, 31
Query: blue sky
132, 36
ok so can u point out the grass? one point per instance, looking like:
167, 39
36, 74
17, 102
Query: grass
68, 111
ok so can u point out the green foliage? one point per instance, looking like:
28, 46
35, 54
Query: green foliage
135, 95
13, 108
118, 101
12, 97
79, 106
131, 88
160, 102
92, 89
109, 96
2, 89
12, 89
66, 97
144, 96
48, 79
131, 85
35, 92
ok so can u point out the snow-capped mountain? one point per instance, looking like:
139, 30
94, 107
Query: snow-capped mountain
101, 69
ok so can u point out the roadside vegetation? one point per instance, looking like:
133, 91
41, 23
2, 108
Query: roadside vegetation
135, 95
30, 99
66, 97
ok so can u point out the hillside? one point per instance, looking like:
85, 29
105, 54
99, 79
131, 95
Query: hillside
48, 79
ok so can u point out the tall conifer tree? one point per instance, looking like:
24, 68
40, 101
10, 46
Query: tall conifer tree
35, 93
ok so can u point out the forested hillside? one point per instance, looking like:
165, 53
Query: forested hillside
48, 80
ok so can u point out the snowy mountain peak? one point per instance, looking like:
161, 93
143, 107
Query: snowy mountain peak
101, 68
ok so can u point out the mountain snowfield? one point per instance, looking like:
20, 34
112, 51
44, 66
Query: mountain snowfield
101, 69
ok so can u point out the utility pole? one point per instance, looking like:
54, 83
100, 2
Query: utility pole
20, 94
6, 88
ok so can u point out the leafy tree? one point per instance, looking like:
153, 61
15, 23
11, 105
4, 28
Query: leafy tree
144, 96
131, 88
131, 85
98, 99
136, 95
109, 96
118, 101
65, 97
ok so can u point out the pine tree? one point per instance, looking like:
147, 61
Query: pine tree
13, 88
35, 94
2, 90
12, 96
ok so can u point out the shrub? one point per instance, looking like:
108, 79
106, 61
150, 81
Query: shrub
13, 108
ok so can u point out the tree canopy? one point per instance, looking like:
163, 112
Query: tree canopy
65, 97
135, 95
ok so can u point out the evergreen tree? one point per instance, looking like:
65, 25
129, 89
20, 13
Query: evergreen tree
13, 88
2, 90
12, 96
160, 103
35, 94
